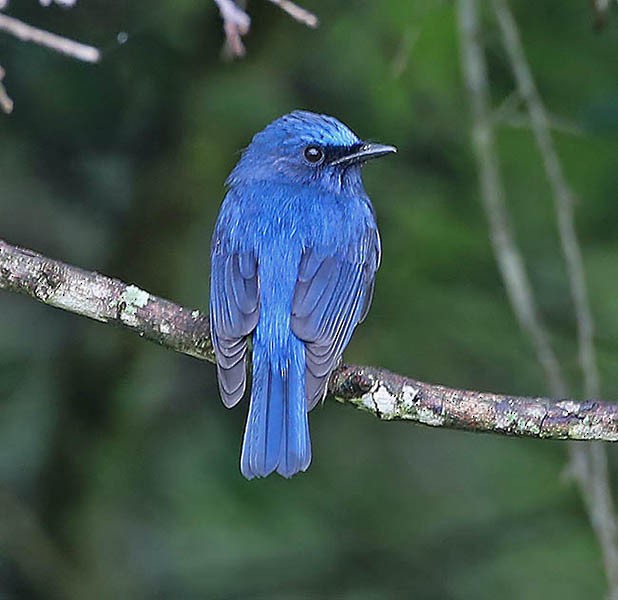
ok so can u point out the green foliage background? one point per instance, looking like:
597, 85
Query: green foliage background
122, 454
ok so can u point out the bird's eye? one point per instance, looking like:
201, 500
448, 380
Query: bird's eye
314, 154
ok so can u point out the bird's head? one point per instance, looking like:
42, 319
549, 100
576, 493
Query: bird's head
309, 149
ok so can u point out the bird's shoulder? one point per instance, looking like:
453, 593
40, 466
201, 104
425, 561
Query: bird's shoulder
262, 214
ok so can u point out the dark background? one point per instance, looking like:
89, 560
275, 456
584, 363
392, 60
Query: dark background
118, 463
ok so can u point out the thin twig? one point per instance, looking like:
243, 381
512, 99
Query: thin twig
595, 489
507, 253
28, 33
6, 104
564, 199
404, 51
517, 120
507, 107
236, 23
600, 13
61, 2
297, 12
386, 395
589, 465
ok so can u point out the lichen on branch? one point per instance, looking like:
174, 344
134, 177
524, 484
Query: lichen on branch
386, 395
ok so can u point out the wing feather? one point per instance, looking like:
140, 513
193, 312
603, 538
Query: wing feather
332, 295
234, 313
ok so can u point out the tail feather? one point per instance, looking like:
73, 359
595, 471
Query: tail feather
295, 453
277, 430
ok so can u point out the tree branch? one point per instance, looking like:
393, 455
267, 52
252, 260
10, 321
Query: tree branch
105, 299
28, 33
236, 22
386, 395
6, 104
506, 250
564, 198
588, 464
298, 13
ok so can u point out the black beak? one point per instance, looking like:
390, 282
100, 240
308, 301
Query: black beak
360, 153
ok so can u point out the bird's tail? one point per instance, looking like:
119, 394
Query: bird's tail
277, 429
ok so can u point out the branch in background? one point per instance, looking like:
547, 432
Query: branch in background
6, 104
404, 51
588, 467
236, 22
507, 253
27, 33
297, 12
517, 121
600, 13
588, 464
61, 2
386, 395
564, 199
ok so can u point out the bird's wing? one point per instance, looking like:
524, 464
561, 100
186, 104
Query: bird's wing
234, 313
332, 296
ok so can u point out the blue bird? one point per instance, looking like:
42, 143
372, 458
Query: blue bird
293, 260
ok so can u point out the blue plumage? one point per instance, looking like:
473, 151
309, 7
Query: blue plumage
293, 260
